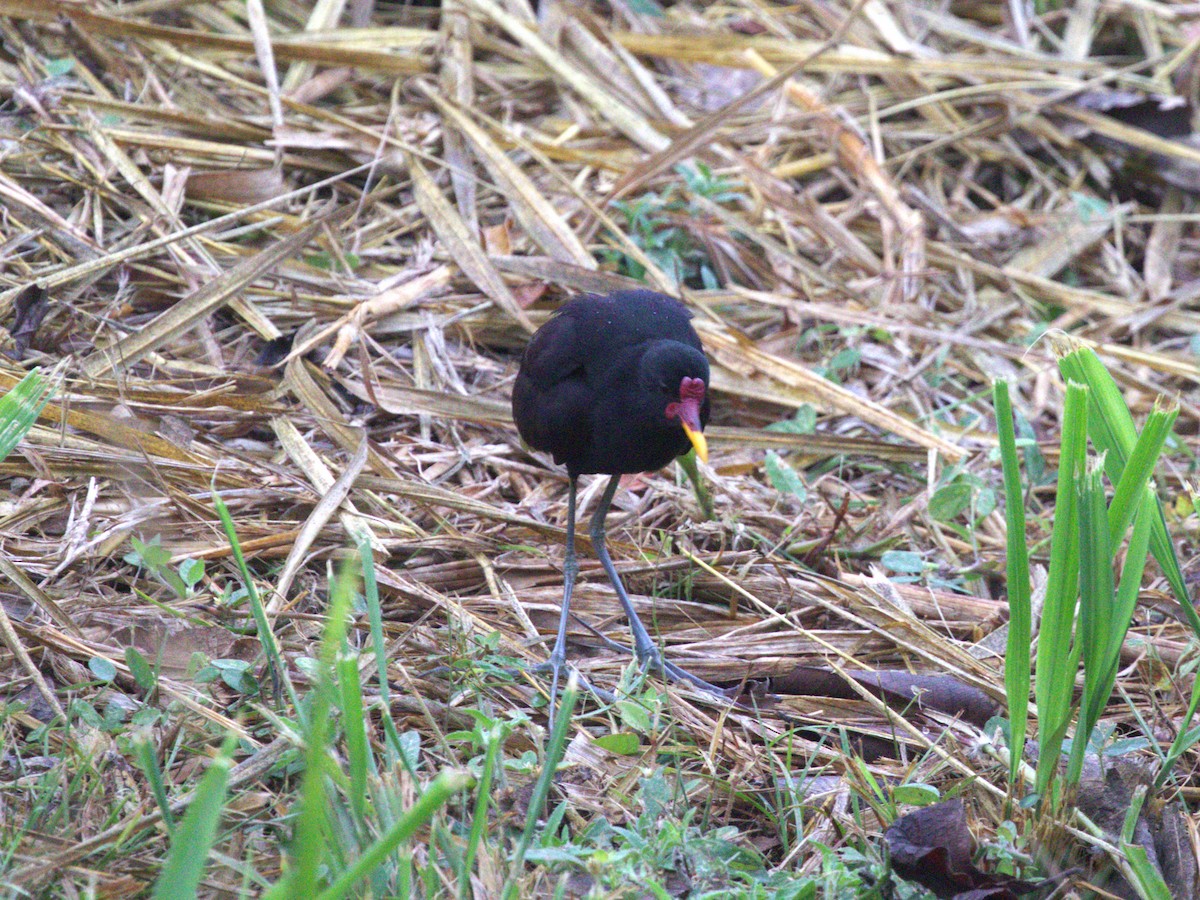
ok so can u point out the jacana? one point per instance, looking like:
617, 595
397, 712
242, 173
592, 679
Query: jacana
613, 385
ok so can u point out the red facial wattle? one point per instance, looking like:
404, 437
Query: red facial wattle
687, 411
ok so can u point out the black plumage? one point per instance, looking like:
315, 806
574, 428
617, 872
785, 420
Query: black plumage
596, 382
613, 385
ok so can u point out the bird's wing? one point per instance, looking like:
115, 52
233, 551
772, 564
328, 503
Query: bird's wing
556, 353
552, 400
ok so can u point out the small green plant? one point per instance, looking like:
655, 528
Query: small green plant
238, 674
860, 871
156, 559
784, 478
1103, 743
804, 421
1006, 850
663, 226
663, 849
961, 496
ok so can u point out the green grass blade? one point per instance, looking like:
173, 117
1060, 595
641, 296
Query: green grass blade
375, 617
1020, 608
266, 636
555, 748
1057, 658
438, 792
483, 798
149, 762
1112, 431
310, 843
1146, 876
1131, 576
1111, 428
180, 876
1139, 469
1184, 741
1125, 602
691, 469
1095, 604
358, 751
20, 407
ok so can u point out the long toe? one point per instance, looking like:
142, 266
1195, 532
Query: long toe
557, 669
656, 662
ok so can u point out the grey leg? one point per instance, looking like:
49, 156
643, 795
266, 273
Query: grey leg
643, 647
558, 656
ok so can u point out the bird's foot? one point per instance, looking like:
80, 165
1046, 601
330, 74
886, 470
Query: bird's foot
554, 668
651, 659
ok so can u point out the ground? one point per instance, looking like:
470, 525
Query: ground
282, 261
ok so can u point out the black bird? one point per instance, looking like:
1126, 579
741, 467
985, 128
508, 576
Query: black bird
613, 385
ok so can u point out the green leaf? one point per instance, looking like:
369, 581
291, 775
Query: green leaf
236, 673
266, 636
906, 562
191, 571
985, 503
1095, 604
20, 407
358, 751
634, 715
845, 359
950, 501
1184, 741
783, 477
146, 757
1090, 208
803, 422
102, 668
1110, 425
434, 797
87, 713
1149, 880
1020, 616
56, 68
140, 669
150, 554
410, 749
916, 794
1057, 656
622, 743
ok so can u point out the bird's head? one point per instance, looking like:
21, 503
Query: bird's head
678, 376
686, 409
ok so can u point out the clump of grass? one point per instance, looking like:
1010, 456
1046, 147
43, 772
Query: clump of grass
1087, 610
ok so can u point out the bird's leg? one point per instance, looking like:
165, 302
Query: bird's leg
643, 646
558, 656
647, 653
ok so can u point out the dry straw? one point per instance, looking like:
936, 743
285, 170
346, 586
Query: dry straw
918, 197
